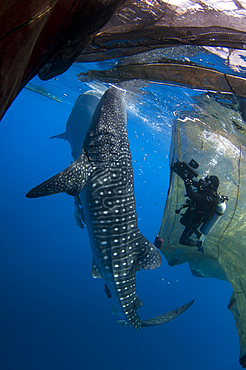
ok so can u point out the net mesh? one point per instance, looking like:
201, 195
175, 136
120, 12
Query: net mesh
218, 146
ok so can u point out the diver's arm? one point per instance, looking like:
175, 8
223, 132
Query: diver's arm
203, 200
196, 183
189, 189
198, 198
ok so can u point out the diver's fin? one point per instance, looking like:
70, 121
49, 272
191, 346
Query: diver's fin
70, 181
148, 256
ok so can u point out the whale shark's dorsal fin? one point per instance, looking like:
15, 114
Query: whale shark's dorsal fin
148, 257
70, 181
162, 319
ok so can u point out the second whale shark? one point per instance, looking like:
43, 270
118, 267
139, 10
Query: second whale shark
102, 177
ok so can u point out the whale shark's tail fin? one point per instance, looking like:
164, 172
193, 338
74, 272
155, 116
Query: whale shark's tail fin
162, 319
70, 181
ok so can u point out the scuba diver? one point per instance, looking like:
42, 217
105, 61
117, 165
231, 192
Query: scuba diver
204, 206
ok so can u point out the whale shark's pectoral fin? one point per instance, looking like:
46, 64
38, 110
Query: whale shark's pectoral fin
162, 319
70, 181
148, 257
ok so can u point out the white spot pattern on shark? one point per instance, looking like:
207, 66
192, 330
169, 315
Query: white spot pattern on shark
103, 178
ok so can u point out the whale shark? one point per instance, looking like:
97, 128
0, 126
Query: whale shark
102, 177
76, 128
75, 132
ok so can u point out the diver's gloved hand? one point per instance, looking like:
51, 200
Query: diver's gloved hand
187, 180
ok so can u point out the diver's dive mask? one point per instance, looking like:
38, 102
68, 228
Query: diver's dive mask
210, 183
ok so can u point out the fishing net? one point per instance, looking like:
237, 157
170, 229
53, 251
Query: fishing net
215, 138
54, 34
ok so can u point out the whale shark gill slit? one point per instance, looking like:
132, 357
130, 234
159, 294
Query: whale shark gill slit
103, 179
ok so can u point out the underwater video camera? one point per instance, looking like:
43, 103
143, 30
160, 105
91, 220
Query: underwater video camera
185, 170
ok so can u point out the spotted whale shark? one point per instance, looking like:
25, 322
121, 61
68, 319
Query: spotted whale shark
75, 132
102, 177
76, 128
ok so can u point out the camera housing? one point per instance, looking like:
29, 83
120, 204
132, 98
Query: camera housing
185, 170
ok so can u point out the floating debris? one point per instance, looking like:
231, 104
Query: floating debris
41, 91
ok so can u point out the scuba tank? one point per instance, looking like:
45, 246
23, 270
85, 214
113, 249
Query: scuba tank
219, 210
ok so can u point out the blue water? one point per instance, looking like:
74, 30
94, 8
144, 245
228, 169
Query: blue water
53, 314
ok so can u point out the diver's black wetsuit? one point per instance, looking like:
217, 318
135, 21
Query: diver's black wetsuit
203, 204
